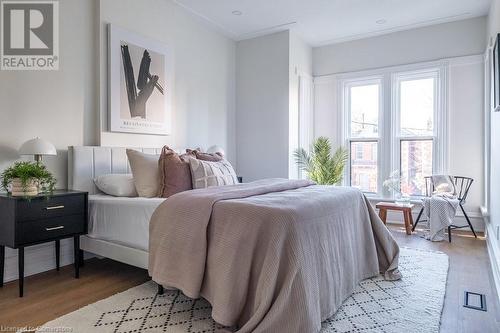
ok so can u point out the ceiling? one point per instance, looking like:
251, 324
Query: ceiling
322, 22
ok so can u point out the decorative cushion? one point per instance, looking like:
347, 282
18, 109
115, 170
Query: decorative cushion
215, 157
145, 171
119, 185
175, 175
206, 174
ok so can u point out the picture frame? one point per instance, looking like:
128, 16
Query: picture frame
139, 83
496, 74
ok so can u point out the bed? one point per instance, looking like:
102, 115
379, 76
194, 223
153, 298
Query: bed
120, 220
270, 256
274, 255
118, 227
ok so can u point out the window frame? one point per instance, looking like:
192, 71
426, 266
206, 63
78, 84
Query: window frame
389, 139
396, 79
346, 131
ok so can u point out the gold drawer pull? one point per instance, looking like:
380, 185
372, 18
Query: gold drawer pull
54, 207
55, 228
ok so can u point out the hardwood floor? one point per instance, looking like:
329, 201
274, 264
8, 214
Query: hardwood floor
469, 270
52, 294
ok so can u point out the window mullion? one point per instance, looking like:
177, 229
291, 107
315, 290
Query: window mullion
387, 134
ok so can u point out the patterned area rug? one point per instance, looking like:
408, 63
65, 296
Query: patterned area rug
413, 304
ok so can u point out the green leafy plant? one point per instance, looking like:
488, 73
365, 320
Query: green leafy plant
28, 172
320, 164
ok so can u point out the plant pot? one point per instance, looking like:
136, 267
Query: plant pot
18, 191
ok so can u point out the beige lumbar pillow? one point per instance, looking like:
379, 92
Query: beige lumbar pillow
145, 171
207, 174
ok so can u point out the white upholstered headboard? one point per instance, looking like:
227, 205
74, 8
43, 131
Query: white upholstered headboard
87, 162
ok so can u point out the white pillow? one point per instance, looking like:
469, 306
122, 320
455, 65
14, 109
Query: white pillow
146, 173
119, 185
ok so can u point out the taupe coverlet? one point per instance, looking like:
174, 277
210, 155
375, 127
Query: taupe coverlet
272, 255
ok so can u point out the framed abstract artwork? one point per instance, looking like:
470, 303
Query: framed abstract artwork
139, 83
496, 74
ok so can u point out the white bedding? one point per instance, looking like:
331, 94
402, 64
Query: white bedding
121, 220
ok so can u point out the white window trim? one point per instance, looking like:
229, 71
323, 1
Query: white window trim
346, 123
387, 76
439, 137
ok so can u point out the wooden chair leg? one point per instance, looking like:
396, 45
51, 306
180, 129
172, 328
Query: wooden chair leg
406, 215
449, 234
383, 215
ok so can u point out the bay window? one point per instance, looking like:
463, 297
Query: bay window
394, 120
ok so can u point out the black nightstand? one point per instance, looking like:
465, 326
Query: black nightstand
45, 218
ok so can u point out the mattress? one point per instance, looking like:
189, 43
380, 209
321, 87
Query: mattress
120, 220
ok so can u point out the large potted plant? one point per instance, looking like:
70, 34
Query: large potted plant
27, 179
322, 165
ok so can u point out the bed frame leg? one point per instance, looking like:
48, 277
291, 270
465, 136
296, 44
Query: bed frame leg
160, 289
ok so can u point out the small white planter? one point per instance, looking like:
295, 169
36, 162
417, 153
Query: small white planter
18, 191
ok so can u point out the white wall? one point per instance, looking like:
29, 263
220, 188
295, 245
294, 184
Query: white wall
59, 106
405, 47
494, 209
262, 104
53, 105
466, 132
68, 107
493, 206
465, 87
203, 102
300, 65
267, 86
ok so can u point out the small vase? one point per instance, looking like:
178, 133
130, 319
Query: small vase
18, 191
402, 199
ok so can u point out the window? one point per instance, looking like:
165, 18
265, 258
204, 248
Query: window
415, 163
416, 97
394, 120
364, 166
363, 99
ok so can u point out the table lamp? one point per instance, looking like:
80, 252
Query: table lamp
37, 147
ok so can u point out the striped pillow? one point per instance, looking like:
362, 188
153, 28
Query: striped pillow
207, 174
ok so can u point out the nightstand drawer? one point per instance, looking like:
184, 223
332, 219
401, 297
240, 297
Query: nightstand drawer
41, 208
46, 229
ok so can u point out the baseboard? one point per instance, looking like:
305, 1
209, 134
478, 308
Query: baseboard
494, 254
37, 259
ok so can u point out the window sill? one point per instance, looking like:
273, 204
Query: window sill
374, 198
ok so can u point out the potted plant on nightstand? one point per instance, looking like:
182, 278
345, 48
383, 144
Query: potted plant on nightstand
27, 179
322, 165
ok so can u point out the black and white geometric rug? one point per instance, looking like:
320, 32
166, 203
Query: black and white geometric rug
413, 304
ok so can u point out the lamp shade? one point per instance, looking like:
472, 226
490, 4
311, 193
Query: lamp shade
216, 149
37, 146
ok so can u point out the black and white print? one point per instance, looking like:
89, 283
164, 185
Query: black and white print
139, 83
